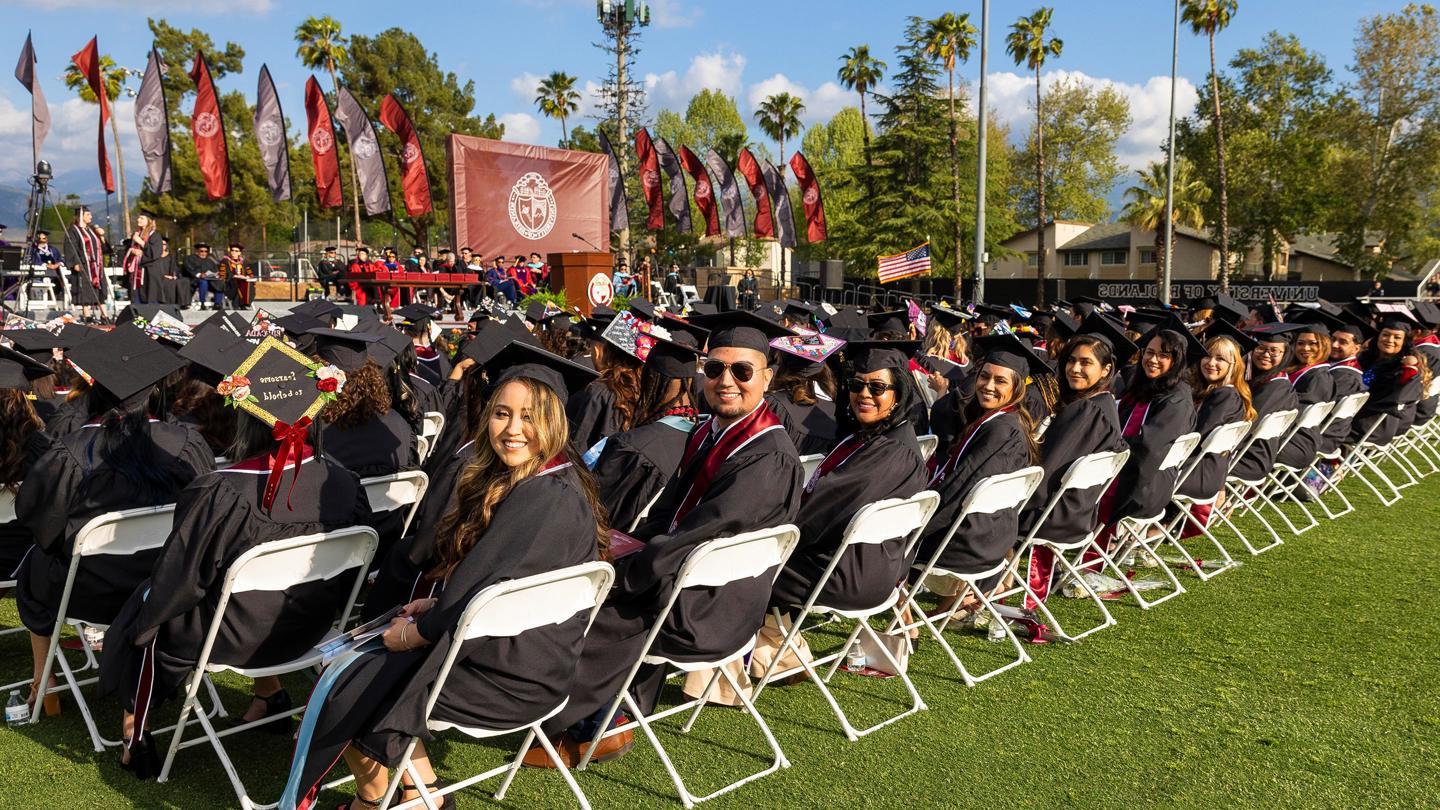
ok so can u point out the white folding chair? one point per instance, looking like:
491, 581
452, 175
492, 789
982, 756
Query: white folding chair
505, 610
928, 442
273, 566
713, 564
879, 522
431, 426
808, 464
1242, 493
1283, 480
1221, 441
1133, 533
1346, 409
1361, 459
994, 494
402, 490
644, 513
1094, 471
422, 449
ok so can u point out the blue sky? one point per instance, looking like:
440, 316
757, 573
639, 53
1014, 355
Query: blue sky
746, 48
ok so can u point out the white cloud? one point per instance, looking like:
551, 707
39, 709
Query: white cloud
151, 6
70, 146
674, 14
1012, 97
821, 104
521, 127
525, 86
720, 70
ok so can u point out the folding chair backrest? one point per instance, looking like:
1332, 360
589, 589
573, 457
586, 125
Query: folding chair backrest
282, 564
1180, 449
810, 463
727, 559
1093, 470
1042, 427
433, 423
1000, 492
1351, 404
7, 506
402, 490
515, 606
1224, 438
1313, 415
928, 443
645, 513
125, 532
422, 448
891, 518
1274, 425
1432, 390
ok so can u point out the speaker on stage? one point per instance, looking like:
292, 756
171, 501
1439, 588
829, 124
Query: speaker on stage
832, 274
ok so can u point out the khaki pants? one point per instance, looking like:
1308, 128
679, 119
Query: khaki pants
767, 646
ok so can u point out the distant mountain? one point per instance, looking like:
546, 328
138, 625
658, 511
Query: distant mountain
15, 200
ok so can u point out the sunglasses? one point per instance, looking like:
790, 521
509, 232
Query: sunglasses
876, 388
742, 372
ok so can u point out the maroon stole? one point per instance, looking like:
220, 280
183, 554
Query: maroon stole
90, 247
847, 447
959, 449
1136, 420
1428, 340
731, 441
1301, 372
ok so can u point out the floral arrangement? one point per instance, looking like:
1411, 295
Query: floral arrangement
235, 389
329, 381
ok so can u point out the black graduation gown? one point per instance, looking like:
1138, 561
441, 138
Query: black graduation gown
997, 447
946, 422
218, 518
1430, 350
1035, 403
155, 287
376, 447
811, 427
69, 416
434, 369
1311, 385
1085, 426
756, 488
378, 702
1346, 377
888, 466
67, 487
1391, 385
1221, 407
15, 538
1141, 490
591, 412
1269, 397
635, 466
427, 396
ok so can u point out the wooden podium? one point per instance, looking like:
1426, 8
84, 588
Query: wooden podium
573, 273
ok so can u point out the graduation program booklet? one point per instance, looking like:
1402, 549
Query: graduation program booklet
345, 642
622, 544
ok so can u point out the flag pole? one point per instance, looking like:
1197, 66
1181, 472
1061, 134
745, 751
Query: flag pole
980, 153
1170, 164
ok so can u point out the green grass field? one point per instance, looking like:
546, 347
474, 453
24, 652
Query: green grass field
1306, 678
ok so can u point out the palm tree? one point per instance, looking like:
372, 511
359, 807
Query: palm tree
859, 71
322, 45
557, 98
1028, 45
949, 38
1209, 17
112, 77
779, 117
1145, 204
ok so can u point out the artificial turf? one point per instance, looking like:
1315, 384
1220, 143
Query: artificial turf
1308, 677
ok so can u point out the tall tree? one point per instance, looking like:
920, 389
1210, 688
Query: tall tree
779, 117
1210, 17
1145, 204
949, 39
1083, 125
859, 71
557, 98
832, 147
714, 121
112, 78
1029, 43
321, 44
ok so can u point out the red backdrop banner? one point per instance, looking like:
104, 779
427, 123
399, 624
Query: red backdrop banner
515, 198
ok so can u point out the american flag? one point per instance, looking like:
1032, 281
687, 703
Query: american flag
913, 262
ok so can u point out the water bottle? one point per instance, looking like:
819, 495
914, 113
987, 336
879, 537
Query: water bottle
855, 658
996, 633
17, 711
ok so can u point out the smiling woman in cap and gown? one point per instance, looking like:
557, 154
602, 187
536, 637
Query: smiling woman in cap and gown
1390, 369
1310, 376
1270, 391
123, 458
803, 396
278, 488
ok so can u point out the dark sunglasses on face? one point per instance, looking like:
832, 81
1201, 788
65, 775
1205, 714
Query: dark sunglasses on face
855, 385
742, 372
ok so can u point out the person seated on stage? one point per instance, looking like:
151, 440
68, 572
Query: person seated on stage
633, 466
417, 261
1396, 376
524, 506
1271, 392
522, 275
803, 394
47, 257
360, 428
997, 437
739, 473
201, 270
1221, 396
279, 488
1310, 376
123, 458
539, 271
329, 271
622, 279
26, 442
608, 405
1086, 421
213, 354
500, 281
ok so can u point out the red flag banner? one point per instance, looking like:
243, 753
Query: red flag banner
87, 61
322, 146
650, 180
810, 198
754, 178
208, 128
413, 179
704, 192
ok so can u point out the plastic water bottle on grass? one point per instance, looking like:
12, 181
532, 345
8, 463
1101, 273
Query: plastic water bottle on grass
16, 710
854, 658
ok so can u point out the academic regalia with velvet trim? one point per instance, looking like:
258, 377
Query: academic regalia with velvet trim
1141, 490
434, 366
1269, 397
1082, 427
1313, 384
427, 396
1391, 385
634, 467
1221, 407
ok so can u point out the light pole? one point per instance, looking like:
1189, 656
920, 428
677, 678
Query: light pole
619, 19
1170, 164
980, 152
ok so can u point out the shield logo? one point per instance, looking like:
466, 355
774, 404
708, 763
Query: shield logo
532, 206
207, 125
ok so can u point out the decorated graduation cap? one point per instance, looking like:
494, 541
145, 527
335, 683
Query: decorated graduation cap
950, 318
284, 389
741, 330
813, 349
893, 321
17, 369
346, 350
866, 356
1110, 333
214, 353
1009, 351
522, 361
124, 363
1222, 328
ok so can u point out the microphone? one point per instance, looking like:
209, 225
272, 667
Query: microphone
588, 242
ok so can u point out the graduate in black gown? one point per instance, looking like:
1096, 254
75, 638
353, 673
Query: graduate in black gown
803, 396
157, 637
433, 364
1087, 421
1221, 396
740, 472
360, 429
123, 458
1271, 392
1345, 374
606, 406
25, 441
40, 345
1391, 370
1310, 375
524, 506
631, 468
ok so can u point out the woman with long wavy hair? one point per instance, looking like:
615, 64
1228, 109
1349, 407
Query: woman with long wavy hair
803, 396
1221, 396
524, 506
22, 442
608, 405
361, 428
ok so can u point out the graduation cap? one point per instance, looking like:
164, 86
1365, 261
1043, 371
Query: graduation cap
1099, 326
1315, 320
346, 350
1008, 350
1277, 332
991, 313
1194, 349
866, 356
1065, 324
672, 360
320, 309
799, 310
522, 361
487, 342
37, 343
215, 353
684, 332
393, 343
1427, 314
147, 311
644, 309
740, 329
1223, 328
73, 334
850, 325
17, 369
125, 363
1356, 325
813, 349
951, 319
701, 308
1269, 313
419, 313
892, 321
296, 324
535, 312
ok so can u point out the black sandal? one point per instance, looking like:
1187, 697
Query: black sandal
361, 799
276, 704
144, 759
447, 802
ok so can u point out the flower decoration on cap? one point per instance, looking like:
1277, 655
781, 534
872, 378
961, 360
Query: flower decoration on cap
236, 390
634, 335
329, 381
